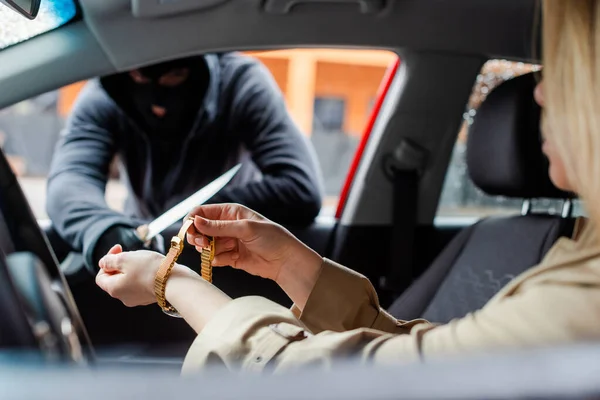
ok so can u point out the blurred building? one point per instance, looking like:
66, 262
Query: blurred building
330, 94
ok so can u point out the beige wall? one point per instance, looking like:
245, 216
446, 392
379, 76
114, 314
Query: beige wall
303, 74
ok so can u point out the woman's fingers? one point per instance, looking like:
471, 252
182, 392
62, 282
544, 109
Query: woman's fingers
215, 212
227, 259
108, 263
111, 263
116, 249
107, 281
220, 228
220, 220
221, 246
225, 245
227, 212
201, 241
196, 239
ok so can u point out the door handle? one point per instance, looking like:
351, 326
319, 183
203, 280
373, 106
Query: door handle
286, 6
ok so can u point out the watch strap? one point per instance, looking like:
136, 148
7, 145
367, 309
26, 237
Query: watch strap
166, 267
206, 258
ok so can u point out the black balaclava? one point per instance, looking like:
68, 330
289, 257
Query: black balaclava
182, 103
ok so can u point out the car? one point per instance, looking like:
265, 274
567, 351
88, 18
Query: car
446, 57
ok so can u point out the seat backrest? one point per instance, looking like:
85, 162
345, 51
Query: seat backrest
504, 158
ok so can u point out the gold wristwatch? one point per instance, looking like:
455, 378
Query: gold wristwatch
166, 267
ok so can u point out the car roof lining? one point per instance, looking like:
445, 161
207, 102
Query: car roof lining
498, 28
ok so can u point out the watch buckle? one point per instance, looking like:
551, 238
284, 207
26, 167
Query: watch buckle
177, 243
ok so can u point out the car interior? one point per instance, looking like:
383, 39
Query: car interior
387, 227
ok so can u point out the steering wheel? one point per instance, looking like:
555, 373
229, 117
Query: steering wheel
37, 309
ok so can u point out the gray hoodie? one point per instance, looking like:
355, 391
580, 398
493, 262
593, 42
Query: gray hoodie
243, 118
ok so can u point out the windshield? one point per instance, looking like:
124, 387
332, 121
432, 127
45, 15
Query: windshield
15, 29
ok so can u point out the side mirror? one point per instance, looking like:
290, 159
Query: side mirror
27, 8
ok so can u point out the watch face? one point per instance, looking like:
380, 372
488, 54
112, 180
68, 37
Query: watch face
172, 313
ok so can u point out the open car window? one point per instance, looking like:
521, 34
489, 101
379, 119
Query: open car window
16, 29
314, 83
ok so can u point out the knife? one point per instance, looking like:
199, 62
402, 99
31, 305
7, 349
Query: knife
176, 213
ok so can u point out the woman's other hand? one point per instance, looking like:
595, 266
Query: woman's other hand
246, 240
129, 276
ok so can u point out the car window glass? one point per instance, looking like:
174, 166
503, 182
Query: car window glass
460, 197
53, 14
329, 93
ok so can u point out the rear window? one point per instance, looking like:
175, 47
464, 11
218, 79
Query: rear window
53, 14
460, 197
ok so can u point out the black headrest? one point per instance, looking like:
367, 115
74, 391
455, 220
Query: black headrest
504, 149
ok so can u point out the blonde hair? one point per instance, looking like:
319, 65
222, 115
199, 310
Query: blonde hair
571, 52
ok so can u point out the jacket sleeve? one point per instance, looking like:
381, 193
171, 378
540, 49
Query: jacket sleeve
342, 311
342, 300
254, 334
79, 172
290, 191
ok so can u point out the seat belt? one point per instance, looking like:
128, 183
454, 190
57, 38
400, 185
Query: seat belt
403, 167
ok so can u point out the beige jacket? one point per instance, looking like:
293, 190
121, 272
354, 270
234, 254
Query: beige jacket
553, 303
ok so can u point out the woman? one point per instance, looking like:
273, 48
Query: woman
556, 302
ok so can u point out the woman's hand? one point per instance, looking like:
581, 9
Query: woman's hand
129, 276
248, 241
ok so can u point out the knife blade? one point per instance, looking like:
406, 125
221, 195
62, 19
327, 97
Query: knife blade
177, 212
